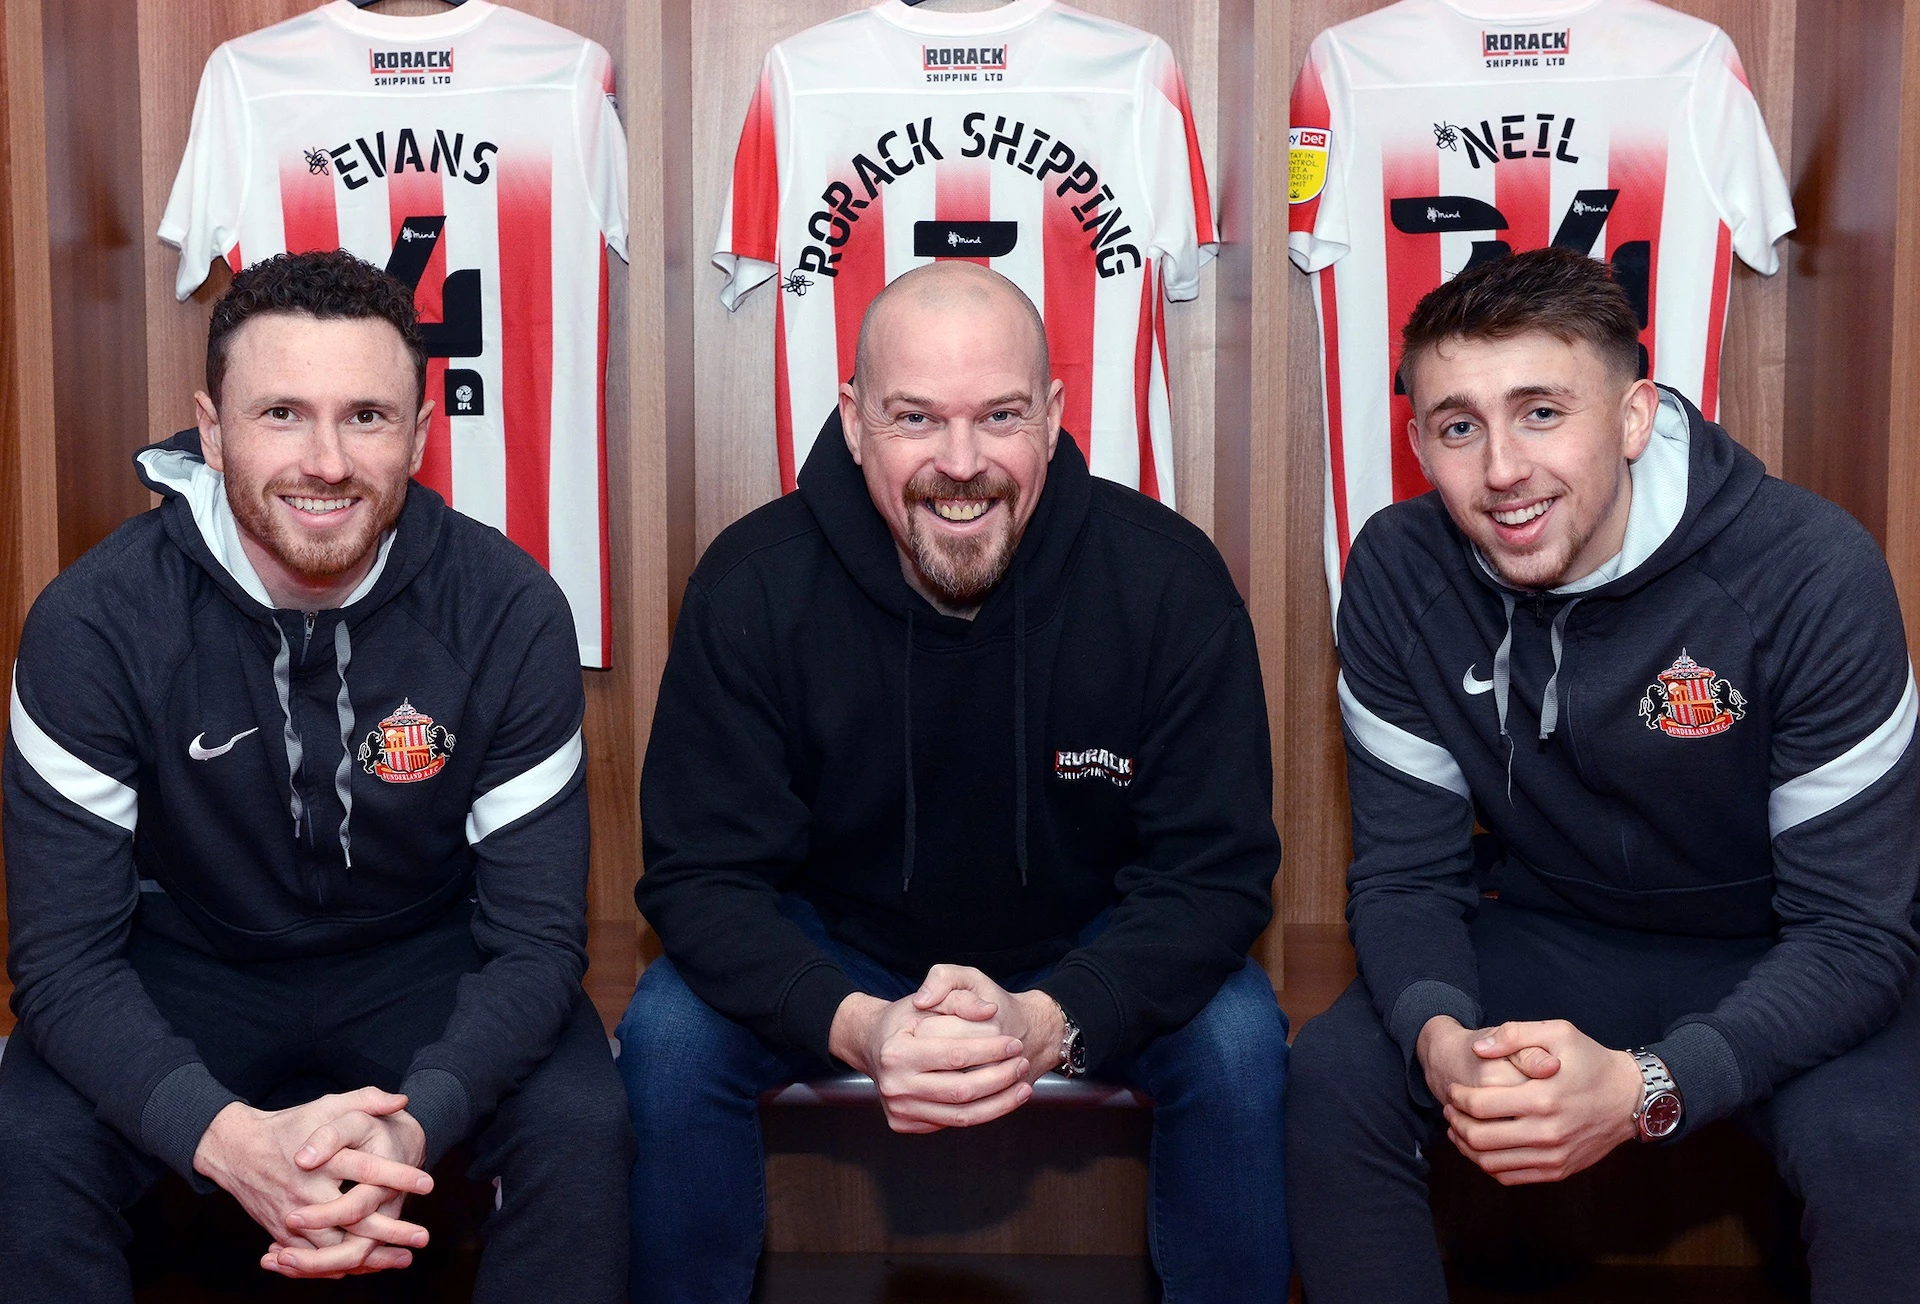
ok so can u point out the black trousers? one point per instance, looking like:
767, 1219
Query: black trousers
282, 1032
1845, 1134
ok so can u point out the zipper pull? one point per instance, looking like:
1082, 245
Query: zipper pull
311, 615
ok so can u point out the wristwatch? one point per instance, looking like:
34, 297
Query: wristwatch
1073, 1050
1661, 1108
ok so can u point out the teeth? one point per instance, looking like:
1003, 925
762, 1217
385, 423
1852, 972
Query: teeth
969, 509
321, 506
1522, 515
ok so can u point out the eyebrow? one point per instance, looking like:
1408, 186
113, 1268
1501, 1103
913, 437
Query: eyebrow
1011, 399
1512, 395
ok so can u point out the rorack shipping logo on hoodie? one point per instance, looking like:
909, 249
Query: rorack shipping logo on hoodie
1096, 763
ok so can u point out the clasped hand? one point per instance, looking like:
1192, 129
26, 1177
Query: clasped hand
959, 1052
286, 1167
1529, 1102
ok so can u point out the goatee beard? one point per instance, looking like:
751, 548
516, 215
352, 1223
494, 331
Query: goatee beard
315, 561
961, 571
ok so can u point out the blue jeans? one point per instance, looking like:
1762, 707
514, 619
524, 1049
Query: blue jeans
1216, 1223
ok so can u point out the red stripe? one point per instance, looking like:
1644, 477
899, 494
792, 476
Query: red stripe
418, 194
963, 192
1734, 66
1309, 109
863, 274
1716, 324
600, 446
1336, 432
1413, 269
1149, 467
1068, 291
526, 344
1638, 170
306, 208
1174, 87
1142, 384
756, 180
233, 257
782, 398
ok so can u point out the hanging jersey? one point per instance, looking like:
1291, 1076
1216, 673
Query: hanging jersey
1053, 146
1425, 139
475, 154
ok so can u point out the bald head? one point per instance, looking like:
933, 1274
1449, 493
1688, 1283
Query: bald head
943, 288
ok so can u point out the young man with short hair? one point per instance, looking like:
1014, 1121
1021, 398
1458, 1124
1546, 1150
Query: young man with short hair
1675, 694
295, 794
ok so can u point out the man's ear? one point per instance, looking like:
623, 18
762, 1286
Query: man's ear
420, 438
850, 427
1056, 408
207, 416
1637, 409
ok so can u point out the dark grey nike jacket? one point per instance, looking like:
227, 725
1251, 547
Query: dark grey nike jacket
264, 784
1710, 736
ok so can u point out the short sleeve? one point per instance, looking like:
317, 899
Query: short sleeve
748, 246
1184, 237
1318, 141
1736, 157
603, 146
203, 212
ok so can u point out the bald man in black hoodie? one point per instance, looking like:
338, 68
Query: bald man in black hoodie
959, 776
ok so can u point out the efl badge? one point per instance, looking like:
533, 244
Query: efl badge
1688, 701
406, 748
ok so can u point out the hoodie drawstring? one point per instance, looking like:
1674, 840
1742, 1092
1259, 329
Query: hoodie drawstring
343, 702
1550, 699
1503, 679
1020, 726
343, 774
906, 695
283, 685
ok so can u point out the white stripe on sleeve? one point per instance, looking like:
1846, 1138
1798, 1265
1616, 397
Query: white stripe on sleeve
1850, 773
94, 792
528, 791
1408, 753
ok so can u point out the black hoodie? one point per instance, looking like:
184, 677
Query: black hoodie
1709, 736
971, 792
259, 784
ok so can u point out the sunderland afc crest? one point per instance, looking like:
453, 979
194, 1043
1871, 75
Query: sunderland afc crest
1689, 701
406, 748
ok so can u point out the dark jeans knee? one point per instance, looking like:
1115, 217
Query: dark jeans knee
678, 1054
1346, 1079
1231, 1055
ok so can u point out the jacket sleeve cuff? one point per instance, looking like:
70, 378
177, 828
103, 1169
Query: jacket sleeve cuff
807, 1010
177, 1114
1088, 1001
1418, 1003
1705, 1069
439, 1103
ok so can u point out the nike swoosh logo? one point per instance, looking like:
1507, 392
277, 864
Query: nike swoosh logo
199, 753
1474, 687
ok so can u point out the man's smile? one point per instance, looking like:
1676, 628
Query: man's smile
314, 508
959, 511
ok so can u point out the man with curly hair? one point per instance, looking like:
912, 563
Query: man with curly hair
296, 802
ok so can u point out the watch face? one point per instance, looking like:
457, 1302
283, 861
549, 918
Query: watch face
1662, 1115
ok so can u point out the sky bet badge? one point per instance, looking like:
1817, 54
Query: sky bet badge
407, 747
1688, 701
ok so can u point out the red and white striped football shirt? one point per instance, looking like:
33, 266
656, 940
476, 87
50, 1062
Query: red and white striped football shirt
1056, 147
476, 154
1432, 134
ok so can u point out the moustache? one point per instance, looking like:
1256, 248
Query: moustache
986, 486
